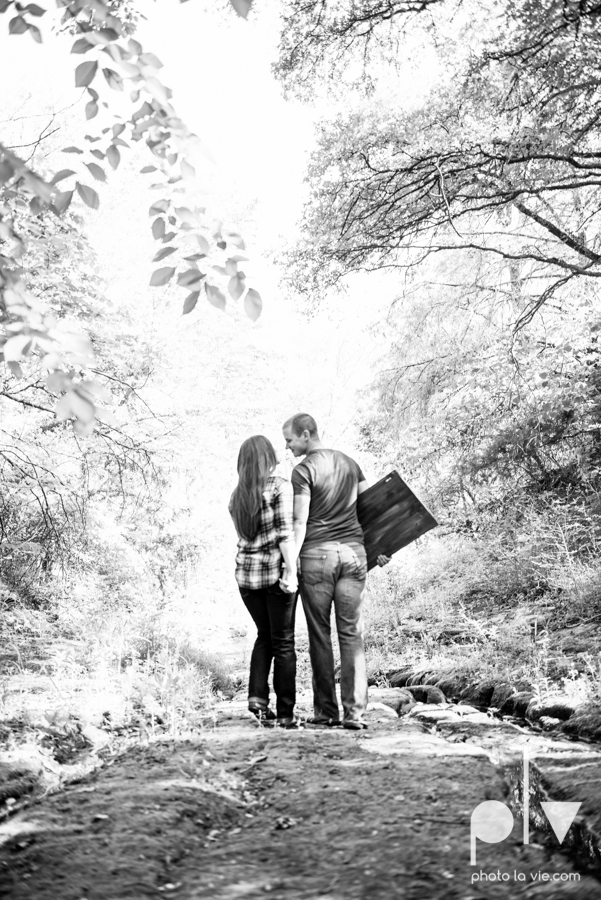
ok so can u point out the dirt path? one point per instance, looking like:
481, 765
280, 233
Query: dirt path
248, 812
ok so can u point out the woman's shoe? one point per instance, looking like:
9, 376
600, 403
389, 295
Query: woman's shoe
262, 713
287, 722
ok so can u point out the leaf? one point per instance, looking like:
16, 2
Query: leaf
147, 169
163, 252
16, 347
18, 25
6, 171
189, 278
81, 407
134, 47
188, 171
81, 46
35, 33
97, 153
190, 302
242, 7
91, 109
237, 240
203, 244
71, 150
85, 72
159, 206
149, 59
60, 176
253, 304
34, 10
62, 200
88, 195
38, 186
36, 206
187, 216
230, 267
96, 171
158, 229
214, 296
161, 276
15, 369
113, 156
114, 79
236, 286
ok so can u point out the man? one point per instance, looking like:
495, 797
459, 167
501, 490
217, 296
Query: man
333, 569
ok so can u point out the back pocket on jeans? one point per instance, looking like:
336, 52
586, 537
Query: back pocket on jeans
312, 567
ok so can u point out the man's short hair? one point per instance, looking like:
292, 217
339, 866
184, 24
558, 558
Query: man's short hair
303, 422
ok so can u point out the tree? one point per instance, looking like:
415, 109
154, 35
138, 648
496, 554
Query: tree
503, 155
110, 59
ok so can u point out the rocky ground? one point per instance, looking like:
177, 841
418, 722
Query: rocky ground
241, 811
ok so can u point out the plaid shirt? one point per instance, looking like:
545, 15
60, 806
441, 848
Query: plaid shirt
259, 562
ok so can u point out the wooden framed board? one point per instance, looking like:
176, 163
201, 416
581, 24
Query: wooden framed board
391, 517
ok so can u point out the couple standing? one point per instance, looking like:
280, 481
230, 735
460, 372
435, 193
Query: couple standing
311, 525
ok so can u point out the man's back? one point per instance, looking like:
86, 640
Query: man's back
330, 478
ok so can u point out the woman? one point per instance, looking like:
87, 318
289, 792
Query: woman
261, 507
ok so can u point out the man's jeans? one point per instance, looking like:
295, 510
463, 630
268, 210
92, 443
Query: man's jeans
273, 613
334, 572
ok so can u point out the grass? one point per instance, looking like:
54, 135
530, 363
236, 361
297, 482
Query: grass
493, 607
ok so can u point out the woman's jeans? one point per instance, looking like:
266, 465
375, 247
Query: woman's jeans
335, 573
273, 612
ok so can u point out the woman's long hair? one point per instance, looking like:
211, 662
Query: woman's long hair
256, 460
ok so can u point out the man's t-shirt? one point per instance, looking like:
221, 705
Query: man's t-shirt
331, 479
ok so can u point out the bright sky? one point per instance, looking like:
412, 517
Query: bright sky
218, 66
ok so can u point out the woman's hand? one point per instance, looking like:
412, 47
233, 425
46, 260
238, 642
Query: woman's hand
288, 581
383, 560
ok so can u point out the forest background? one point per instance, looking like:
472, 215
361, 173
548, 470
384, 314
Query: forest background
428, 293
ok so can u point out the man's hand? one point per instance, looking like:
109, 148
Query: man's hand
383, 560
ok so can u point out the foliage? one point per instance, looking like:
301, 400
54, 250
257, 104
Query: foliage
205, 248
500, 156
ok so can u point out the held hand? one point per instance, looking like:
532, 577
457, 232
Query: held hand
289, 584
383, 560
288, 581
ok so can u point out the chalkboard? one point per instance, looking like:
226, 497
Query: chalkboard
391, 517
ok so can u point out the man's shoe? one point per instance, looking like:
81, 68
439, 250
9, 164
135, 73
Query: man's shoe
354, 724
287, 722
328, 723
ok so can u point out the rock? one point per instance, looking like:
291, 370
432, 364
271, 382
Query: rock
585, 721
548, 723
556, 707
426, 693
451, 684
399, 699
500, 694
377, 711
480, 693
399, 679
517, 704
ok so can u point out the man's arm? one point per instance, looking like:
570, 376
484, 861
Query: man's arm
301, 515
382, 560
